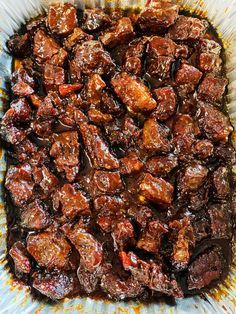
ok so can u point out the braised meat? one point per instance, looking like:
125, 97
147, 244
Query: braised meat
119, 180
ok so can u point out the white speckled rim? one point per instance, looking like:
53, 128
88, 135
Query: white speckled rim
16, 299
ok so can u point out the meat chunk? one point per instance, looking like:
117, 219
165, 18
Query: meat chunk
55, 286
161, 165
203, 149
73, 201
90, 250
19, 45
123, 133
123, 234
19, 183
98, 117
141, 214
133, 93
188, 28
90, 56
49, 107
21, 260
155, 137
12, 134
184, 125
201, 227
88, 280
110, 210
214, 123
224, 153
43, 128
78, 36
161, 46
156, 190
98, 150
193, 177
35, 216
59, 59
22, 89
19, 112
53, 75
205, 269
107, 181
188, 74
209, 62
119, 34
62, 19
25, 150
66, 89
161, 282
221, 182
212, 88
130, 164
160, 67
184, 240
72, 115
150, 275
65, 150
184, 130
23, 83
95, 20
158, 16
49, 249
95, 87
150, 239
199, 198
166, 100
22, 74
133, 56
45, 47
221, 221
45, 179
120, 289
206, 45
110, 104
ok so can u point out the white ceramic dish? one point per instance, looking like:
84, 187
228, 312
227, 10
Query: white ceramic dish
16, 299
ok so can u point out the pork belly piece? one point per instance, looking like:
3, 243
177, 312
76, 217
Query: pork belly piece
156, 190
155, 136
213, 122
97, 148
118, 34
108, 182
62, 19
55, 286
20, 257
90, 56
133, 93
161, 165
188, 28
192, 177
157, 16
73, 202
50, 250
166, 103
212, 88
151, 237
65, 151
205, 269
35, 216
19, 182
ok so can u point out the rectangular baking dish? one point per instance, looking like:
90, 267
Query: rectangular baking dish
15, 298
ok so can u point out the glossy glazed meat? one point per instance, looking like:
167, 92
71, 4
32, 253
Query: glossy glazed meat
119, 158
